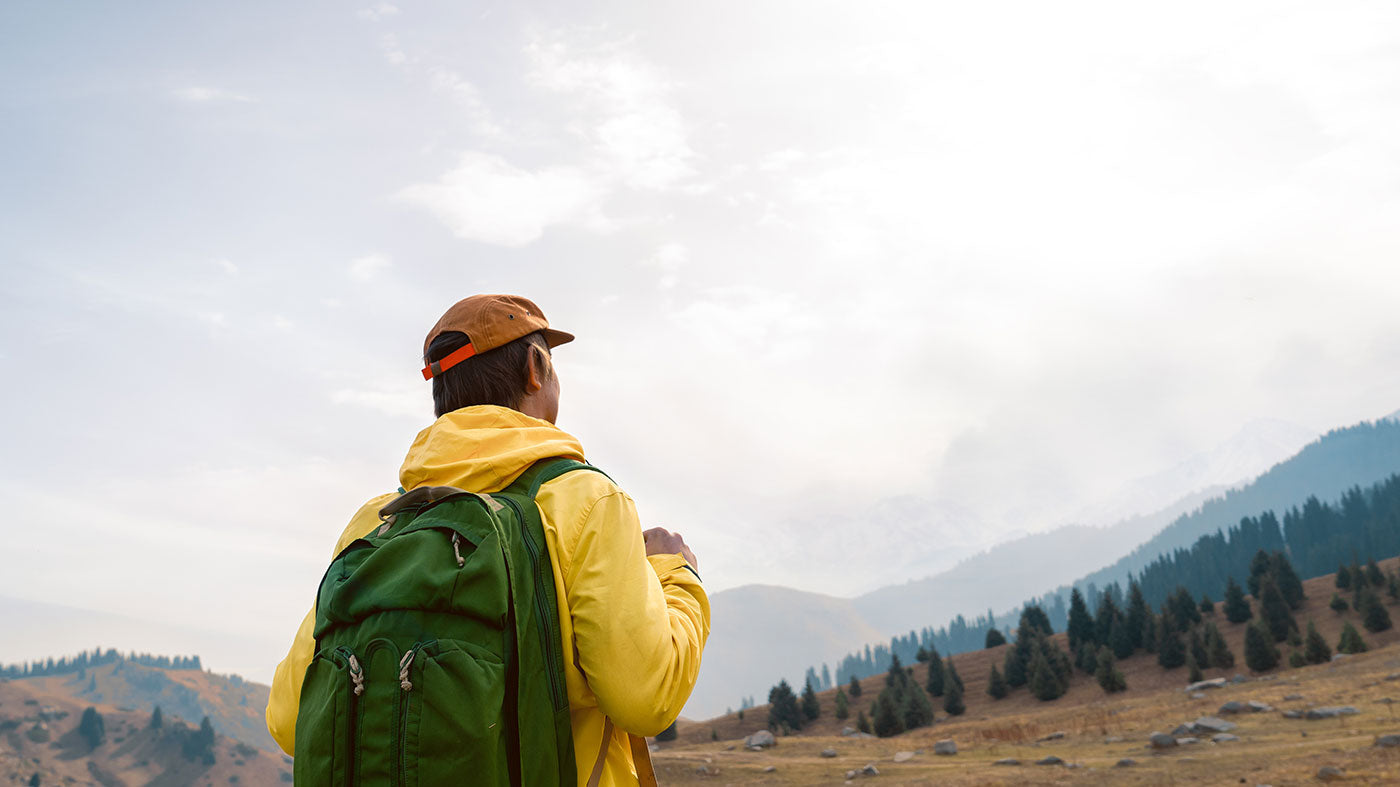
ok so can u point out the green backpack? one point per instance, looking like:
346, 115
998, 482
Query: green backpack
438, 649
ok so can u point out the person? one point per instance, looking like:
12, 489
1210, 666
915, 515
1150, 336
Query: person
632, 610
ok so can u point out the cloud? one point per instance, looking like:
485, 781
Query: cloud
367, 267
399, 403
669, 258
207, 95
488, 200
393, 52
466, 94
377, 12
227, 266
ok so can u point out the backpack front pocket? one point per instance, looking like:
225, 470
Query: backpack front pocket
325, 719
453, 727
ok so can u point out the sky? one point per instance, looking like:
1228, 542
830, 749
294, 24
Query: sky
849, 280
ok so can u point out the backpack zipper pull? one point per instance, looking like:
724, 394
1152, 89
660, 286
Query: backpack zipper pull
404, 664
456, 542
357, 674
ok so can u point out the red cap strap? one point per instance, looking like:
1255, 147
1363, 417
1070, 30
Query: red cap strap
452, 359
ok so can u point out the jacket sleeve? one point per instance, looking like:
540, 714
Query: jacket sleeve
640, 623
282, 702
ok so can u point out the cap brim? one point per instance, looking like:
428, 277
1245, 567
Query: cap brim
555, 338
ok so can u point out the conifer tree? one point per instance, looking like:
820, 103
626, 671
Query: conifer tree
1343, 579
887, 719
1218, 654
157, 721
811, 708
996, 685
1016, 661
896, 673
1185, 611
1107, 615
1258, 569
1193, 668
1087, 660
1236, 607
842, 704
783, 710
92, 728
950, 673
1207, 606
862, 723
1392, 586
1107, 674
1351, 641
1080, 627
1044, 683
1274, 611
1137, 617
1260, 654
1171, 652
1339, 604
935, 678
855, 686
1120, 641
1373, 573
1287, 580
1316, 649
953, 693
994, 638
668, 734
916, 710
1373, 613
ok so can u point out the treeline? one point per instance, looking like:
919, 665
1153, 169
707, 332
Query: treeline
1318, 537
80, 663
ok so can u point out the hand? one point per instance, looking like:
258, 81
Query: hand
660, 541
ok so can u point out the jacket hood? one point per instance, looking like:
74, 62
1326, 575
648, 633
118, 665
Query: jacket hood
482, 449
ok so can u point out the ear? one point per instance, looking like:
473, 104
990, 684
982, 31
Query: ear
534, 378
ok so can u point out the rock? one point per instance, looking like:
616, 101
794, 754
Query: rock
1232, 707
829, 753
1051, 760
1126, 762
1007, 761
1212, 724
1054, 736
1293, 714
848, 731
1161, 740
1113, 739
1238, 678
1393, 676
1181, 731
945, 747
1330, 773
1338, 657
850, 775
1187, 741
760, 739
1224, 737
870, 770
1330, 712
1259, 707
906, 756
770, 769
1201, 685
1292, 697
702, 771
1388, 741
1198, 695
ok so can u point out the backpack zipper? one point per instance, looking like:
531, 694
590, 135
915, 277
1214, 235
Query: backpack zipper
405, 686
357, 687
550, 638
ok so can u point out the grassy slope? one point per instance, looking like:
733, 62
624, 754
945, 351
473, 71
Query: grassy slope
1273, 748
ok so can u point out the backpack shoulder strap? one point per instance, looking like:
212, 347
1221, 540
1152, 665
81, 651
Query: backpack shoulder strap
544, 471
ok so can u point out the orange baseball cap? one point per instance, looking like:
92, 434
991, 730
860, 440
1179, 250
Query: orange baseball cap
489, 321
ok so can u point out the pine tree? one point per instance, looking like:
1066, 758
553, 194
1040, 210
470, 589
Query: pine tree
811, 708
1236, 607
1104, 619
953, 694
1317, 651
1260, 654
1014, 663
1171, 653
1373, 573
1080, 627
1343, 580
936, 678
1373, 613
996, 685
1207, 606
895, 675
1120, 640
1088, 658
668, 734
862, 723
1287, 580
887, 718
1138, 617
157, 721
994, 638
1185, 610
1107, 674
842, 705
1217, 652
1044, 683
1197, 649
950, 674
783, 710
92, 728
1351, 641
1296, 659
1274, 611
1258, 569
916, 710
1339, 604
855, 686
1193, 668
1392, 586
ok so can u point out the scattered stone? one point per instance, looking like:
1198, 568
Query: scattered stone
1292, 697
1198, 695
1238, 678
850, 775
1051, 760
1393, 676
1182, 730
1340, 656
760, 739
1232, 707
1388, 741
1201, 685
1113, 739
1330, 773
1330, 712
849, 731
870, 770
770, 769
1072, 765
1126, 762
1212, 724
828, 753
1187, 741
1054, 736
1161, 740
1224, 737
1293, 714
1256, 706
702, 771
1007, 761
945, 747
906, 756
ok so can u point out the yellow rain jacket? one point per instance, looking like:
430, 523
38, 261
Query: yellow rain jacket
634, 624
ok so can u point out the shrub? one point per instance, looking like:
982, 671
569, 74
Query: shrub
1350, 641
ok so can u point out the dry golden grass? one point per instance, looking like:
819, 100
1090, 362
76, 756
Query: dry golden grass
1098, 729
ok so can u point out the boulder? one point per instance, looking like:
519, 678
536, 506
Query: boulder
1126, 762
1182, 730
1212, 724
1388, 741
829, 753
848, 731
1330, 712
906, 756
1256, 706
1224, 737
851, 775
1161, 740
1054, 736
1232, 707
1007, 761
1330, 773
1238, 678
1113, 739
1051, 760
770, 769
1187, 741
1201, 685
1292, 697
760, 740
870, 770
945, 747
1198, 695
1293, 714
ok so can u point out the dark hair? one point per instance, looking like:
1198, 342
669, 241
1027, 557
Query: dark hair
497, 376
